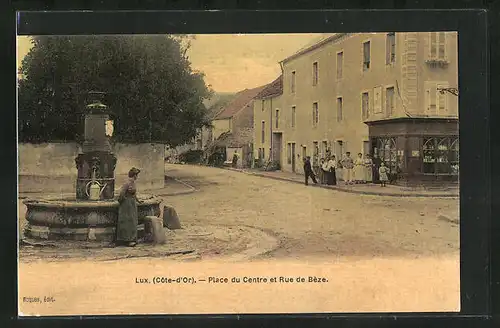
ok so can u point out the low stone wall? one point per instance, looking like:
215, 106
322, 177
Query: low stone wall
44, 165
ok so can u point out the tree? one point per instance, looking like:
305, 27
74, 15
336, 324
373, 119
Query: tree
152, 92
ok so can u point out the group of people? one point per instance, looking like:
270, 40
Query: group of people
361, 170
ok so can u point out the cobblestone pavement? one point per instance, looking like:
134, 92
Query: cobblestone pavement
316, 222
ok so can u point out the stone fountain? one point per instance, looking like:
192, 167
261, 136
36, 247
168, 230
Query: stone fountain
92, 213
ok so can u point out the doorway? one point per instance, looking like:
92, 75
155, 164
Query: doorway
293, 157
277, 147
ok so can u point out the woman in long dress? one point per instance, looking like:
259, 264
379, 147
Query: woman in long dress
376, 165
323, 171
359, 169
126, 230
331, 166
368, 168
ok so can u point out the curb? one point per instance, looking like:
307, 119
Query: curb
361, 192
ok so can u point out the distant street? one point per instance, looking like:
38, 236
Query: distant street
315, 222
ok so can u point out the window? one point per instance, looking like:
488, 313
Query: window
277, 119
315, 114
315, 73
339, 109
293, 116
390, 48
440, 155
262, 104
263, 132
304, 152
324, 149
437, 46
366, 55
389, 101
292, 83
365, 103
289, 153
387, 152
316, 153
340, 64
436, 99
339, 149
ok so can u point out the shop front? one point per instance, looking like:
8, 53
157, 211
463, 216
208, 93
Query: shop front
417, 150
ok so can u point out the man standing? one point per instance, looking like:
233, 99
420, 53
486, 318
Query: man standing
235, 159
348, 165
308, 172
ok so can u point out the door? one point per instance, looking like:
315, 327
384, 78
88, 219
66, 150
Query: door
293, 157
278, 146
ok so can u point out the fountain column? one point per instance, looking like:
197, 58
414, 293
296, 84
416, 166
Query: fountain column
96, 163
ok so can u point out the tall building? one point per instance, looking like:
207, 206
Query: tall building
385, 93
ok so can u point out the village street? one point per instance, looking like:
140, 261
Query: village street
376, 253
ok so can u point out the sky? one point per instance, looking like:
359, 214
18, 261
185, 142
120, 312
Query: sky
233, 62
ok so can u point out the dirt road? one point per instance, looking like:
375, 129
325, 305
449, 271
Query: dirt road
375, 253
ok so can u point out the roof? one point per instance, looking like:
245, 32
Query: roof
217, 102
274, 88
239, 102
316, 45
243, 137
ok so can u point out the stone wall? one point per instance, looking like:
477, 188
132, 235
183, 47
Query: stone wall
39, 164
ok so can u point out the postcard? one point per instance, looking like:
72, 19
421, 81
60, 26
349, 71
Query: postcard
238, 173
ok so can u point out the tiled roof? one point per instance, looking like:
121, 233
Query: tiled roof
238, 103
274, 88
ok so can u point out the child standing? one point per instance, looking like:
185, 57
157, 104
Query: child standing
382, 171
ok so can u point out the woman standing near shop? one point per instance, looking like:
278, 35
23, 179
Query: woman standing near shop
359, 169
368, 168
331, 167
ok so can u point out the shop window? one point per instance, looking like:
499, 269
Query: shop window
440, 155
387, 152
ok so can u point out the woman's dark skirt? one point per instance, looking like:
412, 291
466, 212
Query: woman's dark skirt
332, 178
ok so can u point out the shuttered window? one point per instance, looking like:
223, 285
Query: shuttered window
339, 109
366, 55
436, 98
390, 48
340, 64
365, 104
437, 46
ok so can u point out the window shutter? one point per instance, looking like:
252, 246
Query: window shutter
387, 49
441, 48
442, 99
432, 45
427, 97
431, 95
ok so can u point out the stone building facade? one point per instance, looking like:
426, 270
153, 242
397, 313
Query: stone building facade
384, 93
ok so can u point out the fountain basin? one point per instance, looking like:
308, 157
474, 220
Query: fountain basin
65, 218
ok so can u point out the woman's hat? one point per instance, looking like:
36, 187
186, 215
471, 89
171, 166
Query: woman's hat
133, 171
